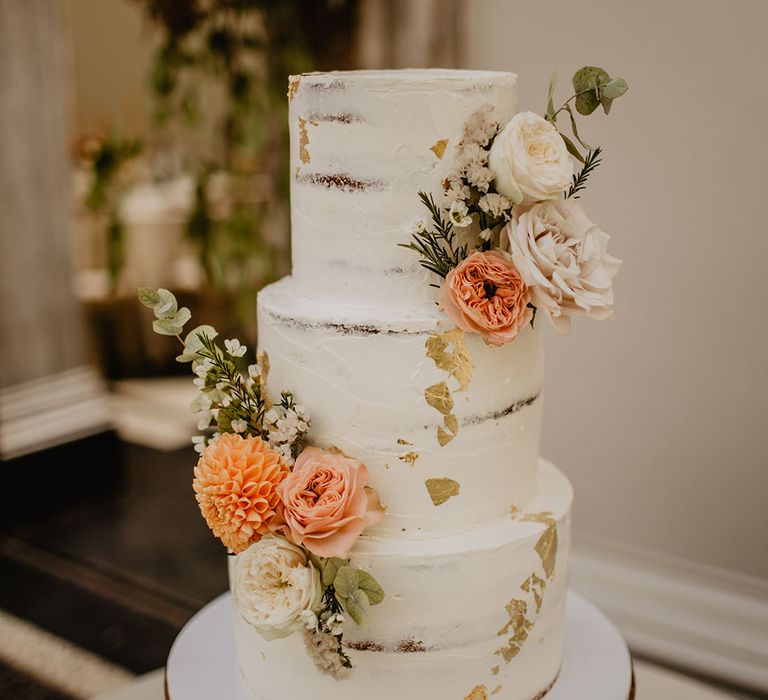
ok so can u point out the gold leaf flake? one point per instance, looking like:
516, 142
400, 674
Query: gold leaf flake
514, 512
451, 423
439, 396
448, 352
495, 670
439, 148
303, 141
293, 86
536, 585
440, 490
546, 547
496, 690
477, 693
401, 441
519, 626
409, 457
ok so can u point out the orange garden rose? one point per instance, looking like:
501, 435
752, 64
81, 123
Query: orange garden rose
235, 483
326, 502
485, 294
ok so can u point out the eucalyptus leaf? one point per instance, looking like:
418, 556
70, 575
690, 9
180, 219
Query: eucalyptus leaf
371, 587
615, 88
182, 316
346, 581
357, 606
571, 146
166, 326
149, 297
193, 344
166, 306
330, 568
575, 129
587, 83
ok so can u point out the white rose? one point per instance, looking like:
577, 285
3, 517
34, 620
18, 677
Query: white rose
274, 584
529, 160
562, 256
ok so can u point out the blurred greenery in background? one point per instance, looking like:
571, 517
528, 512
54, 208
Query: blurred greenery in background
238, 224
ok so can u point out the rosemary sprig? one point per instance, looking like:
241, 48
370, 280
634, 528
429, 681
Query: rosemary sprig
437, 248
579, 183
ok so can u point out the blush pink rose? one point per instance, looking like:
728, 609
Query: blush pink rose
326, 504
485, 294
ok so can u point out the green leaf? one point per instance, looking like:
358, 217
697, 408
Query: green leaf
612, 90
149, 297
357, 607
370, 586
330, 569
550, 115
193, 344
616, 88
587, 83
346, 581
182, 316
571, 146
575, 129
166, 326
166, 306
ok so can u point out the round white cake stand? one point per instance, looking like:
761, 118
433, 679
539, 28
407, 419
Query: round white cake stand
203, 665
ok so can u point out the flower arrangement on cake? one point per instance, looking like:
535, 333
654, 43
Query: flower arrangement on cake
290, 512
507, 235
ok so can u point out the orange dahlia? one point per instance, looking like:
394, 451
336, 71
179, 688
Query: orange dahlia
235, 484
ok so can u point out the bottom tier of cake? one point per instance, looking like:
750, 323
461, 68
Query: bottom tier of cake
474, 615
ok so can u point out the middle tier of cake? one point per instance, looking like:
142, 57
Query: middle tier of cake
447, 426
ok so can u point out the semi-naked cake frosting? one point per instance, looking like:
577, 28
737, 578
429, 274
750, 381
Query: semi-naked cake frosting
472, 552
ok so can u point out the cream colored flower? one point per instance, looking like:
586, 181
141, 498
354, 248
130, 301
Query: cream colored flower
529, 160
274, 585
563, 258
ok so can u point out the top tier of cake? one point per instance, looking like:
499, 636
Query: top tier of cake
363, 144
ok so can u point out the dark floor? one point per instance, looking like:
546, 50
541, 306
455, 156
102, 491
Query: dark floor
101, 543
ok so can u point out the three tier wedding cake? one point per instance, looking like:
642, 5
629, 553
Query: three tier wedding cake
376, 473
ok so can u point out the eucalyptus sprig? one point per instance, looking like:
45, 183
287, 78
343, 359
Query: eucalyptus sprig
437, 246
593, 87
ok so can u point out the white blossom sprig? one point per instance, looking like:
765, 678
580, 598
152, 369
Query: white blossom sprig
231, 398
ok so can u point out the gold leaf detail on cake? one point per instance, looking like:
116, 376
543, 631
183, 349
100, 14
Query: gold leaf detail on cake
546, 547
536, 585
496, 690
514, 511
409, 457
477, 693
439, 397
447, 431
439, 148
303, 141
293, 86
518, 628
401, 441
448, 352
440, 490
495, 670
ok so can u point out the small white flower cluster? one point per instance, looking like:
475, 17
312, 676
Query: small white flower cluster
467, 193
323, 649
286, 425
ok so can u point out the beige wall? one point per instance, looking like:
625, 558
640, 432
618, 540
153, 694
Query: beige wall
661, 416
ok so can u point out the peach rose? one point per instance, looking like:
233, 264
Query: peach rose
235, 486
326, 502
485, 294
